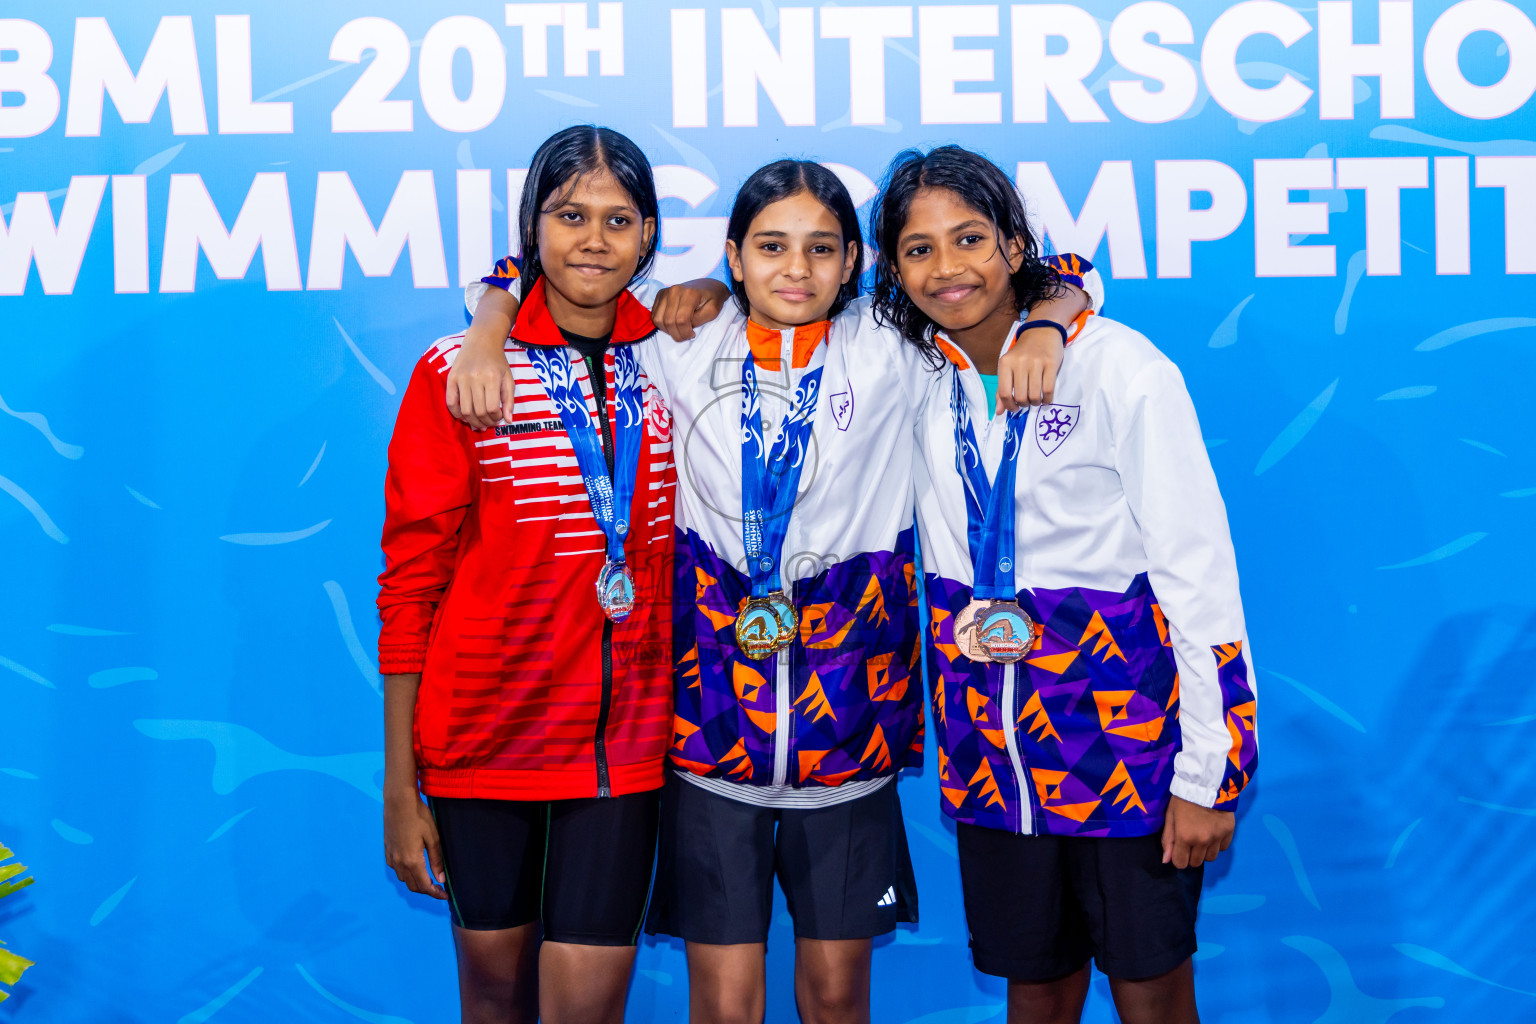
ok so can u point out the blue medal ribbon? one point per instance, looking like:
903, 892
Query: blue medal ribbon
769, 486
609, 496
988, 506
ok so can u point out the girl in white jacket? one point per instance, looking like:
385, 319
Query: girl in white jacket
1091, 689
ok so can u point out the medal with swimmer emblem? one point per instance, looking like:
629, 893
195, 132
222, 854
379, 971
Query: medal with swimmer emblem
766, 625
616, 591
1003, 631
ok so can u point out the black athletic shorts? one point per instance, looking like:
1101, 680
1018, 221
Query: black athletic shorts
845, 869
1039, 906
582, 867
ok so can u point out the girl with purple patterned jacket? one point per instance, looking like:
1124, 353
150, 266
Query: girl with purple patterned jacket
1087, 653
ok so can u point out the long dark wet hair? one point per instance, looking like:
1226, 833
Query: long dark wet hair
564, 157
780, 180
981, 185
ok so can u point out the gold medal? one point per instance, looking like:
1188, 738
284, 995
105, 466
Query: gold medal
766, 625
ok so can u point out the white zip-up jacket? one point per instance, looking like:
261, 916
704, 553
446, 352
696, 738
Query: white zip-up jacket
837, 705
1139, 684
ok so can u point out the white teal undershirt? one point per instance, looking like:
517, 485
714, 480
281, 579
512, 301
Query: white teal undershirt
989, 381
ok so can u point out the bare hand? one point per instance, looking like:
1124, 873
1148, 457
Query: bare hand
1026, 373
408, 830
1195, 835
680, 308
479, 386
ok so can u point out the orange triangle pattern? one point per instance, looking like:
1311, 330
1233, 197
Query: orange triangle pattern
815, 700
1047, 784
688, 668
747, 682
1077, 812
695, 767
1240, 719
1226, 652
835, 778
1104, 640
984, 716
681, 730
813, 621
1146, 732
874, 601
877, 746
988, 783
1055, 664
1040, 722
743, 769
1127, 795
1112, 705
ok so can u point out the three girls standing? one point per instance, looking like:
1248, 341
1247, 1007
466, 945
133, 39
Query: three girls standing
803, 422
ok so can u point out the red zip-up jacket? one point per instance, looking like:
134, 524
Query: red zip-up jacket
491, 558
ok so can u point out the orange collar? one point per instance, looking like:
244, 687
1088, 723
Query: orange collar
766, 343
954, 355
951, 352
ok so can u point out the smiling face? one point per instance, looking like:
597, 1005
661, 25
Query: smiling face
792, 262
951, 266
591, 238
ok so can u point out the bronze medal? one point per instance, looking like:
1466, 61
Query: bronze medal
1004, 632
966, 624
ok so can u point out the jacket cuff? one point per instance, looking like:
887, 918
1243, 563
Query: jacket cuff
1195, 793
400, 659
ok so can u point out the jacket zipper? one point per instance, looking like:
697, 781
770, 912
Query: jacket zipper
1011, 740
783, 722
599, 380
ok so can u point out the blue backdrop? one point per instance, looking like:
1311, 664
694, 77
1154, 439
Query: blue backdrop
191, 460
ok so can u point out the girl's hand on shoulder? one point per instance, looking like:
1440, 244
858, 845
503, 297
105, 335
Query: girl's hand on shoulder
479, 388
1026, 373
682, 307
408, 832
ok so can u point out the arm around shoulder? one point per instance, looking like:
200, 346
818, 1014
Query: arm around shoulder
479, 388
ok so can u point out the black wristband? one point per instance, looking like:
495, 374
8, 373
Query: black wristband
1032, 324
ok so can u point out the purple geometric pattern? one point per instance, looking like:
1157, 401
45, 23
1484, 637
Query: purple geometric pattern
1095, 715
854, 714
1238, 709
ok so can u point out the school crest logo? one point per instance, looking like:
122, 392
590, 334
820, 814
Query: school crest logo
1053, 424
658, 415
842, 408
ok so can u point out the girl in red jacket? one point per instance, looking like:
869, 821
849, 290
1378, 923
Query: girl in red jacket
526, 606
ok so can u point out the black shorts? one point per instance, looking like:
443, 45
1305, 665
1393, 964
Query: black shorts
1039, 906
845, 869
582, 867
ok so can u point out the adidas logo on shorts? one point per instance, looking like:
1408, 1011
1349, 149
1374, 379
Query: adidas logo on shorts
889, 899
